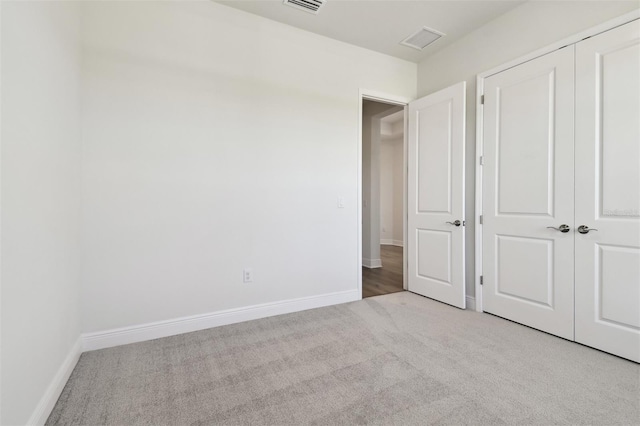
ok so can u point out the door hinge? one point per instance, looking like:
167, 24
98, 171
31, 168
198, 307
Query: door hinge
481, 283
482, 160
480, 219
482, 100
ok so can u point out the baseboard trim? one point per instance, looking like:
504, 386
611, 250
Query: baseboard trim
471, 303
53, 391
397, 243
156, 330
372, 263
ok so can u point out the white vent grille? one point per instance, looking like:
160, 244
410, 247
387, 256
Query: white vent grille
311, 6
422, 38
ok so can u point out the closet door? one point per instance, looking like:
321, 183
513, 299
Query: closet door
608, 191
528, 191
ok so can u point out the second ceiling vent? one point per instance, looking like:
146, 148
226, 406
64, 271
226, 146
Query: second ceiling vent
311, 6
422, 38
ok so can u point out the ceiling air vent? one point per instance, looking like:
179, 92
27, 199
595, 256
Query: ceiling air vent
311, 6
422, 38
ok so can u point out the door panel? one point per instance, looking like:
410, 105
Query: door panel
608, 195
434, 158
434, 255
523, 270
436, 195
528, 187
524, 158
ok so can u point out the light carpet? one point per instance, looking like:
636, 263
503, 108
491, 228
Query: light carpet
398, 359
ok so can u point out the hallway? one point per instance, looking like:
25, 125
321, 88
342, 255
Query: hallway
385, 280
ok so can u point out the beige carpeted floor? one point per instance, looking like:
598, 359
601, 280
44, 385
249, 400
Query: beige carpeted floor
395, 359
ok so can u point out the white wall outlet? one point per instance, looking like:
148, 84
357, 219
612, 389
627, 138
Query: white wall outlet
247, 275
341, 202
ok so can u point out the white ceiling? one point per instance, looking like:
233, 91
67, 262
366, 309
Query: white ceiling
381, 25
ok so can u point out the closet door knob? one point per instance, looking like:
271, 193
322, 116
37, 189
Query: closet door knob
456, 223
584, 229
562, 228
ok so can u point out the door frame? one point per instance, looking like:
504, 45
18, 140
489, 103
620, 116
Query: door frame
374, 95
605, 26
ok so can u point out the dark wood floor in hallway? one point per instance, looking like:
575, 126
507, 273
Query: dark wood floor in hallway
387, 279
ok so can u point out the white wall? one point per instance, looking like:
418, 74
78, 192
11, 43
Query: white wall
522, 30
40, 187
398, 191
216, 140
386, 191
391, 191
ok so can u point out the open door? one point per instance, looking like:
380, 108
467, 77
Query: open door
435, 217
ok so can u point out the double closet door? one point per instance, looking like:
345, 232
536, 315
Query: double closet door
561, 192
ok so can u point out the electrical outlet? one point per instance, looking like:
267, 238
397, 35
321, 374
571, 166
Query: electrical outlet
247, 275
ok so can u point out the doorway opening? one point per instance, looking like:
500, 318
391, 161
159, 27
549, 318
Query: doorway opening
383, 188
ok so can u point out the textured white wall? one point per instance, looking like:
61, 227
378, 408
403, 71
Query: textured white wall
40, 187
216, 140
529, 27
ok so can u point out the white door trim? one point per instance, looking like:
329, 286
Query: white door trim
374, 95
605, 26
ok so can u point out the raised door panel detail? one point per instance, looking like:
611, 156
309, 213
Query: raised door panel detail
525, 157
607, 195
524, 270
617, 290
434, 255
620, 151
434, 158
528, 192
435, 192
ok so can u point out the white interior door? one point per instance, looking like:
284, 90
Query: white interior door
528, 190
435, 218
608, 191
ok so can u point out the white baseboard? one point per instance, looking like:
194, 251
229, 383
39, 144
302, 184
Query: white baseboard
372, 263
397, 243
53, 391
471, 303
156, 330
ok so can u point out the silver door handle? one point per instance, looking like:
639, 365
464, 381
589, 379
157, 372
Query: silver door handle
456, 223
584, 229
562, 228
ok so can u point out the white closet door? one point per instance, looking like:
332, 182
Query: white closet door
528, 188
608, 191
435, 217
